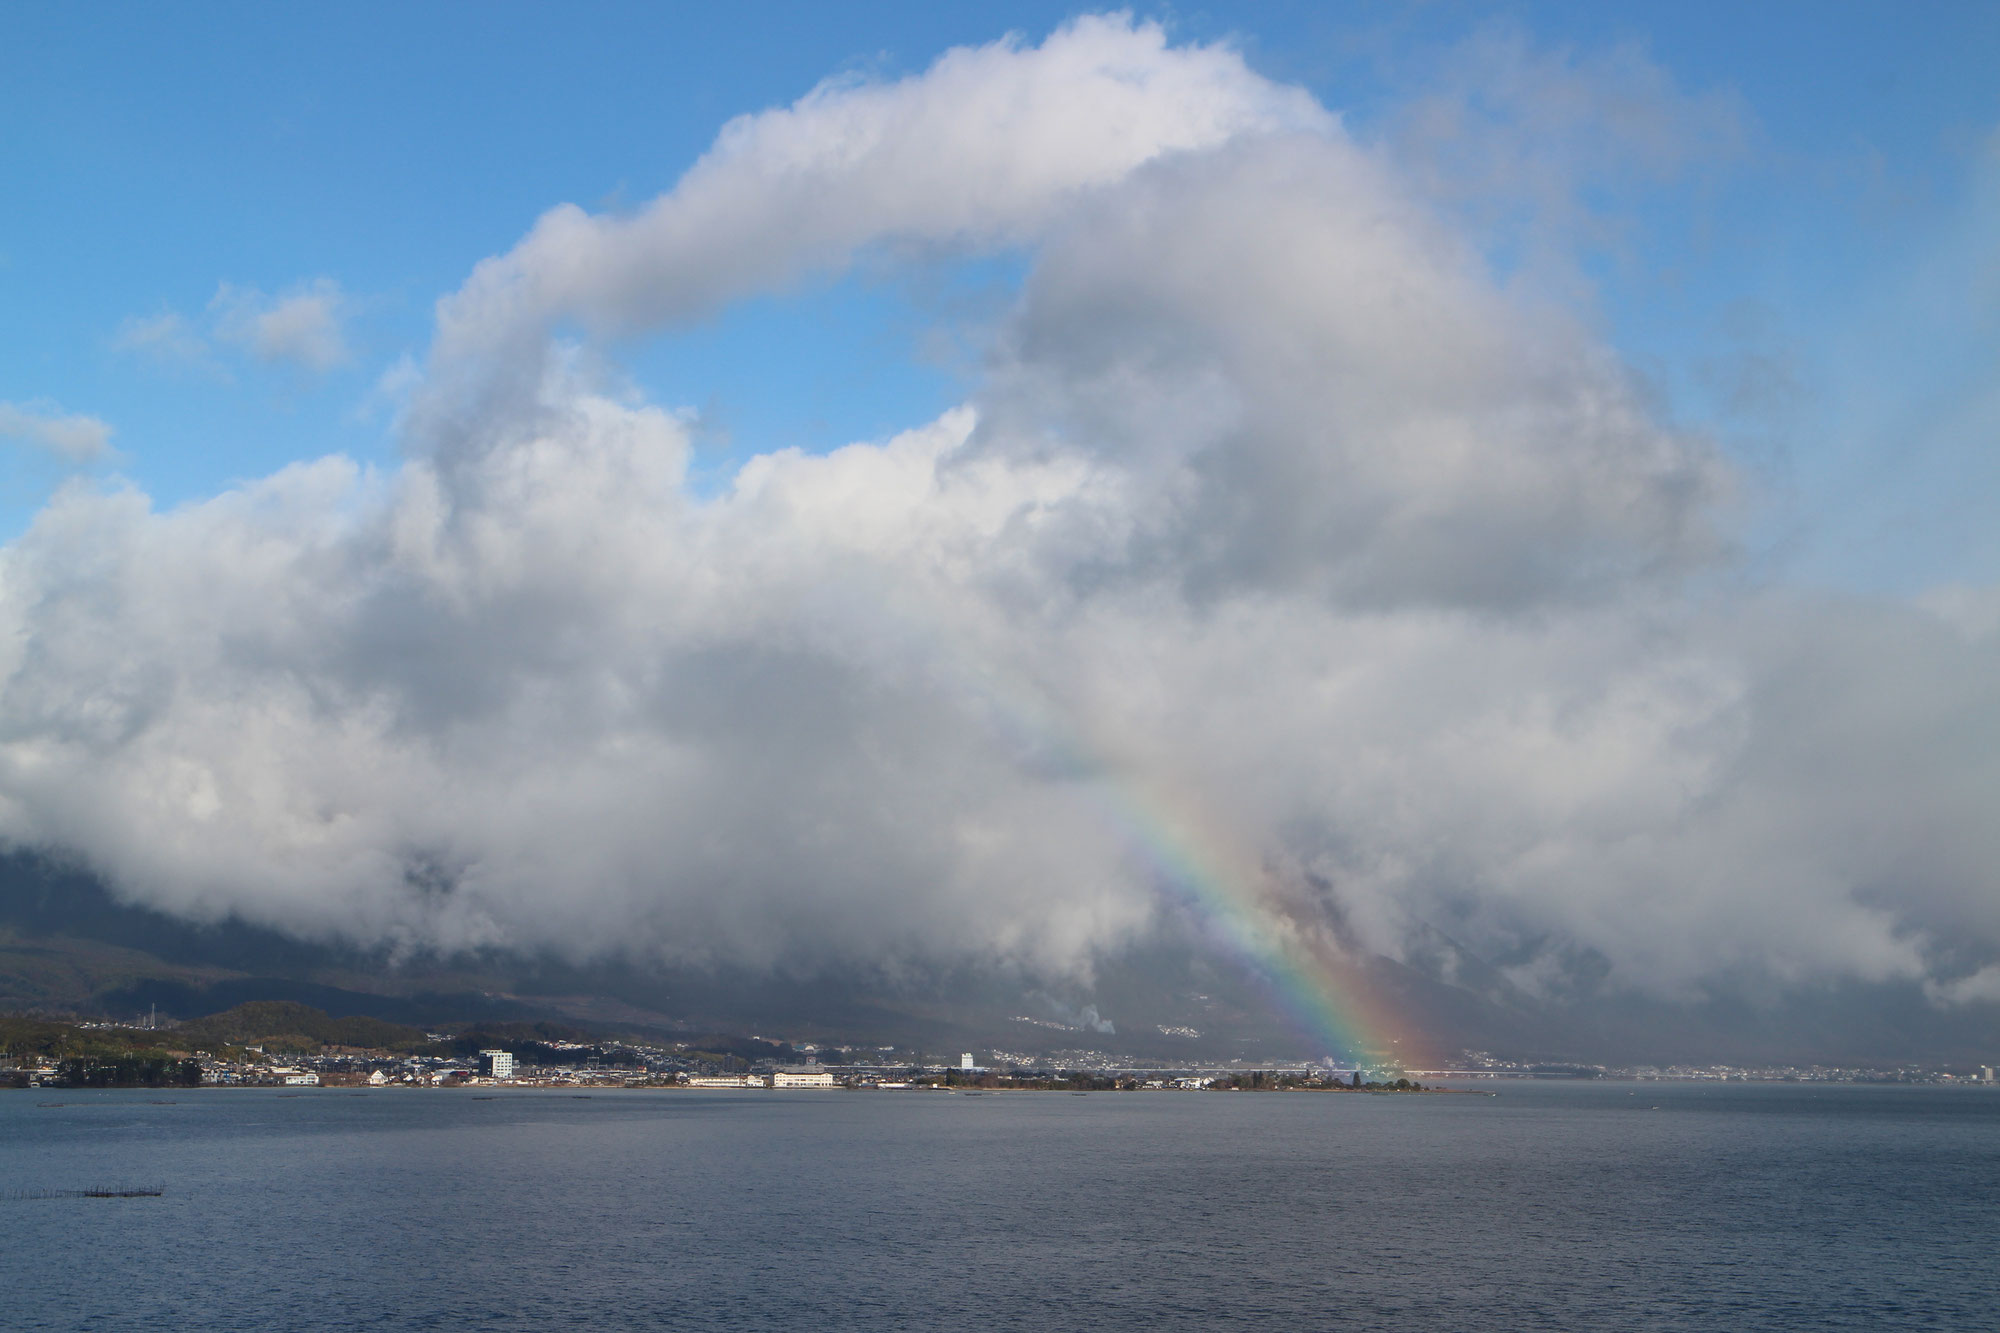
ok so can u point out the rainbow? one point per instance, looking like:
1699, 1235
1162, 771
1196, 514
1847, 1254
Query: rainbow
1320, 992
1196, 862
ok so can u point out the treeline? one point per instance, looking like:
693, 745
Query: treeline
1047, 1081
542, 1043
22, 1037
506, 1036
1258, 1080
279, 1027
95, 1057
563, 1045
285, 1027
734, 1054
127, 1071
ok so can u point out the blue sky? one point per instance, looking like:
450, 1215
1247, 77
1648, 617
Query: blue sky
154, 155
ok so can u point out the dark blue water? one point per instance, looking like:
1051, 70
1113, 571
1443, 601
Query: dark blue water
1569, 1206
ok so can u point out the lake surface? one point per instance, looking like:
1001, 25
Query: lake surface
1550, 1206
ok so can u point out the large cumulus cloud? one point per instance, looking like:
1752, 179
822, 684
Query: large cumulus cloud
1272, 497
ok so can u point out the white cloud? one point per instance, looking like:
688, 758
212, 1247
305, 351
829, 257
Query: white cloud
1326, 391
861, 707
303, 325
1276, 516
1509, 134
983, 149
1981, 985
390, 395
72, 437
166, 338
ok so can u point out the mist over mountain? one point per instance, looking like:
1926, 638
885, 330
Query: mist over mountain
1280, 513
67, 947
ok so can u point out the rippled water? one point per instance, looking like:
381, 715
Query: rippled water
1573, 1206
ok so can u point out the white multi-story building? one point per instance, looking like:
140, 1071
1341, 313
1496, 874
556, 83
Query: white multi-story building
724, 1081
496, 1064
802, 1079
965, 1062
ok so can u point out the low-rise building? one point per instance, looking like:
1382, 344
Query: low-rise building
724, 1081
801, 1078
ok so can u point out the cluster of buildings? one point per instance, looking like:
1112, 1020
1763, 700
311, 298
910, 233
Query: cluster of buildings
1478, 1064
777, 1078
646, 1065
672, 1070
669, 1068
498, 1067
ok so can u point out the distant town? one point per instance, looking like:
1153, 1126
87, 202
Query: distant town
289, 1045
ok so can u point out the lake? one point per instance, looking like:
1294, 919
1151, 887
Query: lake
1549, 1206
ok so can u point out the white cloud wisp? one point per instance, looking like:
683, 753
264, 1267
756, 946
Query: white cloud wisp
303, 326
70, 436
